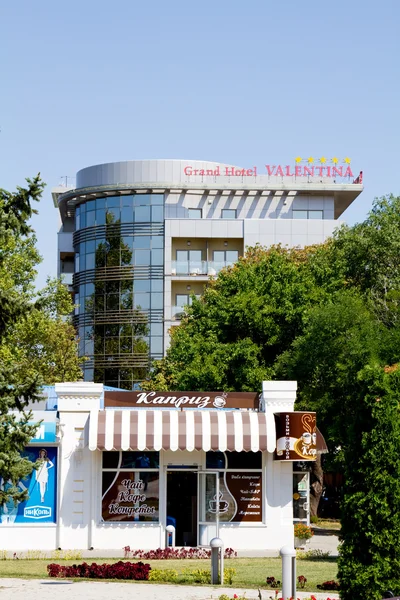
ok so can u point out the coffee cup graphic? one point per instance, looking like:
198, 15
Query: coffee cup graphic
307, 438
219, 402
220, 506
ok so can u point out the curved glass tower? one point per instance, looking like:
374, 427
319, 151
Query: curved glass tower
119, 257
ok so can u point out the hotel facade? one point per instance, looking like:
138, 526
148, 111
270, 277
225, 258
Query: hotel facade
139, 238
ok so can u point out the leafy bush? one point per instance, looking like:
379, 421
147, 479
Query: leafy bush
303, 532
66, 555
314, 519
196, 576
229, 574
313, 554
329, 585
166, 575
175, 553
120, 570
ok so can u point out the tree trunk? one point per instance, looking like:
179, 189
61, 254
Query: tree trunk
316, 485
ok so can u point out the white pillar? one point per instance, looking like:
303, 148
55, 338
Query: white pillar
278, 396
76, 472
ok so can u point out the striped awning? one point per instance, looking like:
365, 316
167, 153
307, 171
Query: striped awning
178, 430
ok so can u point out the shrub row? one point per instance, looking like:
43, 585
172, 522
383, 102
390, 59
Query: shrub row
119, 570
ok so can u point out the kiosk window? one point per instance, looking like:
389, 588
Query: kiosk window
240, 486
130, 487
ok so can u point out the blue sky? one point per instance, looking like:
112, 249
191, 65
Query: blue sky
244, 83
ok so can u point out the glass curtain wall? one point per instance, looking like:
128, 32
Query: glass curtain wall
119, 265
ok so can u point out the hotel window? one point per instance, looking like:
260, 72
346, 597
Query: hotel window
228, 213
188, 261
240, 486
130, 487
185, 299
308, 214
195, 213
224, 258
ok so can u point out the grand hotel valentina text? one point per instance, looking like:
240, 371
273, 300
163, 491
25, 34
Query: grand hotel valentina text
299, 170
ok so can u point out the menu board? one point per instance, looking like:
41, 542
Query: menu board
240, 498
247, 492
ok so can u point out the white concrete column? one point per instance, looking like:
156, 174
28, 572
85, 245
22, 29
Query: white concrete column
76, 463
278, 396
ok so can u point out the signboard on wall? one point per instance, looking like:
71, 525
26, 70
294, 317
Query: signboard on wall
296, 436
196, 400
41, 485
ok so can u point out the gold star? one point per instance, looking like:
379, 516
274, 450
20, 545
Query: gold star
335, 160
322, 160
347, 160
298, 159
310, 160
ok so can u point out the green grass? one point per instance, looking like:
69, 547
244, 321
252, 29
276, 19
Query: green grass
250, 572
332, 524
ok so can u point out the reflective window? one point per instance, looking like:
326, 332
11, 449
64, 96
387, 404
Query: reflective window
157, 345
315, 214
142, 214
141, 285
157, 257
228, 213
300, 214
113, 202
157, 285
90, 218
156, 329
157, 301
142, 257
157, 241
195, 213
157, 213
142, 241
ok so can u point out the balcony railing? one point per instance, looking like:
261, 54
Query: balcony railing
198, 267
177, 313
67, 278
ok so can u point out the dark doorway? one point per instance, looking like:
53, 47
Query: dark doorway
182, 506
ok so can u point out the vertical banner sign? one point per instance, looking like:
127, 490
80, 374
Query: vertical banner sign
41, 484
296, 436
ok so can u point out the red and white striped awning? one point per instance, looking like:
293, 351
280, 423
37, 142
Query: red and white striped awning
178, 430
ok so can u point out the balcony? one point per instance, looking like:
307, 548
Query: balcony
198, 267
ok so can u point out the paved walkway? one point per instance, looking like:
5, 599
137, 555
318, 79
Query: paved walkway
21, 589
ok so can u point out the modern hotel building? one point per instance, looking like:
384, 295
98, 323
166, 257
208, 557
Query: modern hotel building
138, 238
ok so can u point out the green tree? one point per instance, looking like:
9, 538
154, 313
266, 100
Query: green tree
33, 334
231, 338
369, 560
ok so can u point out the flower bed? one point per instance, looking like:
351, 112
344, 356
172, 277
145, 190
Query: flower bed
176, 553
120, 570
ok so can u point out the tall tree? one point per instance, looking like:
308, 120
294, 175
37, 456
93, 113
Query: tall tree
369, 560
32, 332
